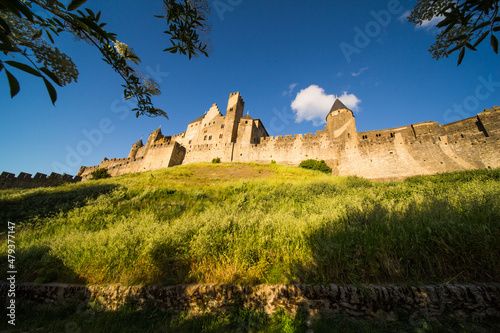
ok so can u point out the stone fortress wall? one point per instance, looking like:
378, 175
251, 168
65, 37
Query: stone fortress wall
25, 180
395, 153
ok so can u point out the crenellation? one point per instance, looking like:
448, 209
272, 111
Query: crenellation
26, 180
421, 148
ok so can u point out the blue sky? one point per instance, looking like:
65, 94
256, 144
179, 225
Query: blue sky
287, 59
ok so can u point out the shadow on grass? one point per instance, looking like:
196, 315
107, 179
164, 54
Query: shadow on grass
36, 264
171, 264
43, 202
434, 241
78, 315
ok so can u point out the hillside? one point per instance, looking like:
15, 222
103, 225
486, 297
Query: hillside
255, 223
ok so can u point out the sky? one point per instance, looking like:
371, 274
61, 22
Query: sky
288, 59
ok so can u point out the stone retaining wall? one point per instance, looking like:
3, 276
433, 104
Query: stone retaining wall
388, 302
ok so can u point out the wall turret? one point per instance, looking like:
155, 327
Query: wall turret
340, 122
234, 113
135, 148
156, 135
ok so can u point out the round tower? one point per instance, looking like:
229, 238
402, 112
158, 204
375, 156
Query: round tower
135, 148
340, 122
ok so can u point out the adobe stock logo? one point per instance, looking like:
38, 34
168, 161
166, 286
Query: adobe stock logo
470, 104
363, 38
222, 6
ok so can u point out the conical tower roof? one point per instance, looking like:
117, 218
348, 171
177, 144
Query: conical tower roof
337, 105
139, 143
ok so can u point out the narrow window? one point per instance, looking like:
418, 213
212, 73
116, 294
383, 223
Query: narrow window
205, 137
222, 126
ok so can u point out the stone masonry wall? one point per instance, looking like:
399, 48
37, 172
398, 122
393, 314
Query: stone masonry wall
25, 180
383, 302
160, 155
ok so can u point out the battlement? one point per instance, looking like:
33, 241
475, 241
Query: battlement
495, 108
25, 180
291, 137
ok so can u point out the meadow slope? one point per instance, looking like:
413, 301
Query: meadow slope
253, 224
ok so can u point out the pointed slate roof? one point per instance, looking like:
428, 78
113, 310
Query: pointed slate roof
247, 116
139, 143
337, 105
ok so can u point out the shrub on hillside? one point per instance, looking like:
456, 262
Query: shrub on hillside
216, 160
316, 165
100, 174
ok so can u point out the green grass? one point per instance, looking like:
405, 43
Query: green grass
252, 224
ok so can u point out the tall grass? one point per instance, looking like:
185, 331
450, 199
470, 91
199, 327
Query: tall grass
252, 224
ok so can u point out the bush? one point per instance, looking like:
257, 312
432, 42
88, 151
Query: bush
216, 160
273, 162
316, 165
100, 174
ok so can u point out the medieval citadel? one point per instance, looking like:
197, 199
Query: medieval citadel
395, 153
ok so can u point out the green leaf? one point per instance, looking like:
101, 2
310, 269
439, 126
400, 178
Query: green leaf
75, 4
13, 84
5, 26
470, 47
51, 90
482, 25
24, 67
494, 43
483, 36
461, 56
7, 48
22, 9
50, 36
54, 78
38, 34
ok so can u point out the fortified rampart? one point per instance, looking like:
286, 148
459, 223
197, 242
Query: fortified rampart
394, 153
25, 180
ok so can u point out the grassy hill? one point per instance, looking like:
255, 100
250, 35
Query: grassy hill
253, 224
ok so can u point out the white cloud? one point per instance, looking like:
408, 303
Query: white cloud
429, 24
403, 18
290, 89
360, 71
313, 104
351, 101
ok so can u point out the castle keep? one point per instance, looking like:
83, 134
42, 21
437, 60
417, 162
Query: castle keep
418, 149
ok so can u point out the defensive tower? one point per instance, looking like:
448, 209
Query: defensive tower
135, 148
340, 122
234, 113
